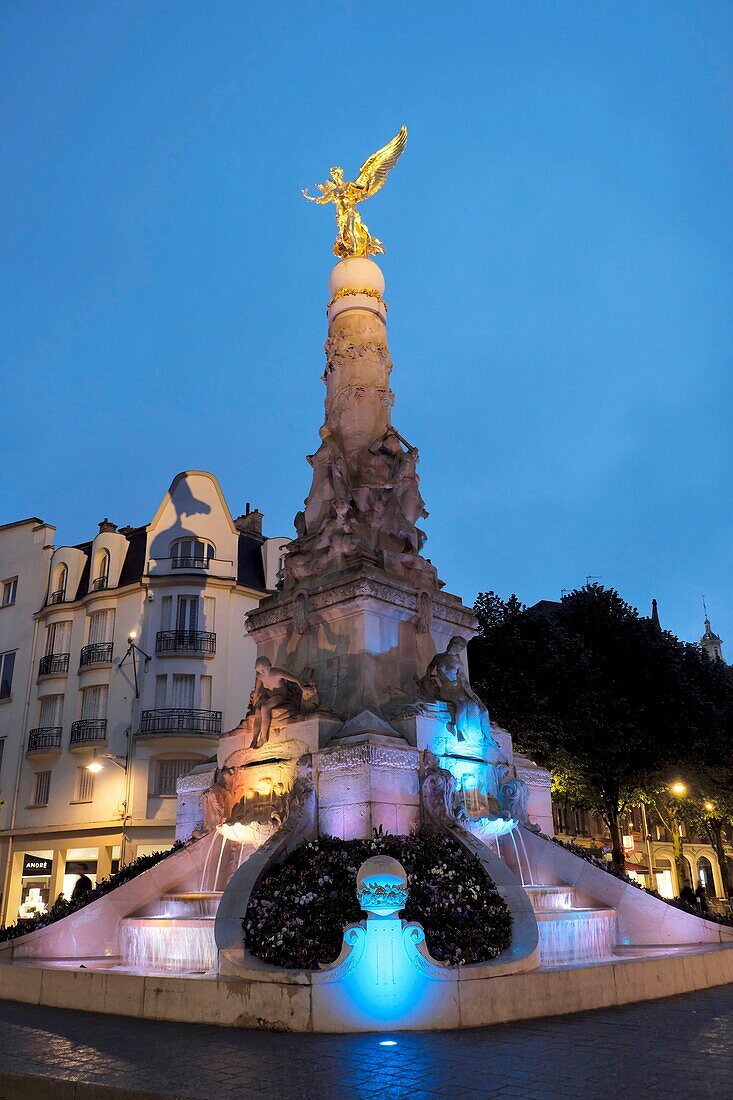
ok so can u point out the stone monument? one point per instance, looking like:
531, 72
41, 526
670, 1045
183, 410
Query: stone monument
361, 652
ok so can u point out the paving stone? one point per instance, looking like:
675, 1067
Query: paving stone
603, 1054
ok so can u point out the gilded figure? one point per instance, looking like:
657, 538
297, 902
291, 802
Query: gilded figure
354, 239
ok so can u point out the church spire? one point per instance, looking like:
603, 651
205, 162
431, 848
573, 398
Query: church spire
712, 645
655, 617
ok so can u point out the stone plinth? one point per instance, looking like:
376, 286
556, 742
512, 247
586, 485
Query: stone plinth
364, 636
189, 811
290, 738
367, 782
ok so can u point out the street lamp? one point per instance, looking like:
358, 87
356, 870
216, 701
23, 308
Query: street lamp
97, 766
709, 806
132, 650
679, 789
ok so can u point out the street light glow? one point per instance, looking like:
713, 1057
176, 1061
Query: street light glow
132, 636
94, 767
678, 788
709, 806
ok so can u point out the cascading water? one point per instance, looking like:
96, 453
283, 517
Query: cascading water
168, 943
576, 935
550, 897
570, 933
180, 935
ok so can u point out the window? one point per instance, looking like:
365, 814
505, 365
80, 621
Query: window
183, 689
2, 751
160, 687
205, 692
10, 591
58, 638
209, 613
42, 789
7, 664
166, 612
84, 785
61, 576
188, 613
51, 709
101, 627
94, 702
191, 553
167, 774
101, 571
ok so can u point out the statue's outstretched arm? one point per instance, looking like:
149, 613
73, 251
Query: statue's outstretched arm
320, 199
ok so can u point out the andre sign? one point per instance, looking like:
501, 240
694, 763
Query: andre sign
37, 865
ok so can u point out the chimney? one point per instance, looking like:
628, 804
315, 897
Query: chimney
107, 527
250, 522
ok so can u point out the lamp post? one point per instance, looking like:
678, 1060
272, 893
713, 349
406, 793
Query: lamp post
648, 839
679, 790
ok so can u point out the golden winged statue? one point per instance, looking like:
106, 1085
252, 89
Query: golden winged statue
354, 239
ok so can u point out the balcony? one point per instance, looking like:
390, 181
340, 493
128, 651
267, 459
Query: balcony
44, 741
87, 731
180, 720
58, 596
54, 664
216, 567
99, 584
190, 563
197, 643
99, 653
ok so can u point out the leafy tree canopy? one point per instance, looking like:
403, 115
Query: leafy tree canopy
602, 697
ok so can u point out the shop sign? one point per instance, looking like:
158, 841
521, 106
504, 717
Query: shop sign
628, 843
36, 865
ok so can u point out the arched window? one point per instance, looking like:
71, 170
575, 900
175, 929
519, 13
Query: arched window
705, 875
101, 571
191, 553
58, 592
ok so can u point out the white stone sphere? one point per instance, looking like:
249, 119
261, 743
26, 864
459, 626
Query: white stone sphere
381, 885
356, 273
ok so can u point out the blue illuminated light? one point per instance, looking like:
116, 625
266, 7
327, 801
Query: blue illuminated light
388, 1043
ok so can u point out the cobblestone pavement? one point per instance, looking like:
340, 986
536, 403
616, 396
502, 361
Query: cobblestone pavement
661, 1048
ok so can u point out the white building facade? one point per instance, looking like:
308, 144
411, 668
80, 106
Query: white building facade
130, 655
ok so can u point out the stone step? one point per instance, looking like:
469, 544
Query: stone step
551, 897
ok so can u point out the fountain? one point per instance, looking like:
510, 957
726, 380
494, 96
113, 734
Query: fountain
362, 717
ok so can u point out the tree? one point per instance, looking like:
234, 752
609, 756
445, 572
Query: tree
596, 693
706, 807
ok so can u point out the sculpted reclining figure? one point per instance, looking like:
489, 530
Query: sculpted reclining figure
445, 680
277, 689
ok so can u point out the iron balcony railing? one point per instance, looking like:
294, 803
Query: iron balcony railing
58, 596
88, 729
45, 737
201, 643
53, 664
190, 563
98, 653
181, 720
99, 583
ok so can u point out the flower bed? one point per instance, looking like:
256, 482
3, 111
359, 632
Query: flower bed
605, 865
297, 913
64, 908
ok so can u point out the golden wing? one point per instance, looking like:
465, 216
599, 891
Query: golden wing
373, 172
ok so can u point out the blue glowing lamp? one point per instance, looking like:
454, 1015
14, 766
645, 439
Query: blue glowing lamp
381, 886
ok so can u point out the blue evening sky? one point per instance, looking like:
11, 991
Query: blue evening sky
559, 271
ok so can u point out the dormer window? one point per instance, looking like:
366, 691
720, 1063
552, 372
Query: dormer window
58, 593
191, 553
101, 571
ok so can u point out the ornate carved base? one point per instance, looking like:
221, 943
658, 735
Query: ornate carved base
367, 783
